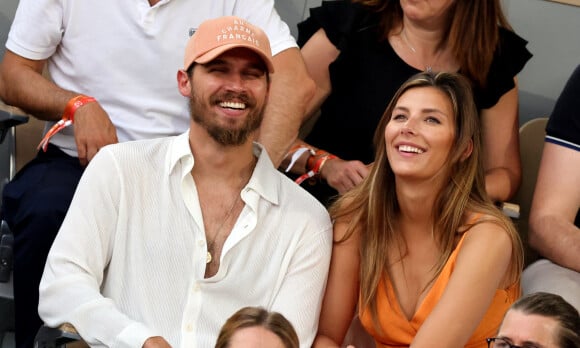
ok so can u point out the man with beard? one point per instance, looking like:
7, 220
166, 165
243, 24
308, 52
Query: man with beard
166, 238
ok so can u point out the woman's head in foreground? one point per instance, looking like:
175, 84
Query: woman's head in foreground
254, 327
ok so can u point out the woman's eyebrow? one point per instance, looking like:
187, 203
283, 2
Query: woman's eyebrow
424, 110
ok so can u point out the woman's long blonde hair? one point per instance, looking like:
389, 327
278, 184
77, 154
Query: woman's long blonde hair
372, 209
472, 31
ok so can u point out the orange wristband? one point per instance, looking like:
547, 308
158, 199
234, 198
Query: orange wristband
323, 160
317, 168
75, 103
311, 162
67, 118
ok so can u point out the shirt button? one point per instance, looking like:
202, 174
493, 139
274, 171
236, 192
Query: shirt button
189, 328
196, 288
201, 242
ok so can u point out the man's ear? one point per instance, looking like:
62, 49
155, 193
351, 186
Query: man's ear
468, 150
183, 83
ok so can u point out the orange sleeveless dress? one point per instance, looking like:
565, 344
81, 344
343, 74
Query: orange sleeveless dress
399, 332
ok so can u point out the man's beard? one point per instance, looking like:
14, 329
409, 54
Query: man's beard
223, 135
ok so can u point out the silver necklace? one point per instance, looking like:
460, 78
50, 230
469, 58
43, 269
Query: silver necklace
412, 48
210, 245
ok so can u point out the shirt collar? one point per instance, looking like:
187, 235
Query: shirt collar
178, 150
265, 179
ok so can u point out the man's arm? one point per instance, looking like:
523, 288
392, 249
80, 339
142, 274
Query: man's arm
290, 92
23, 85
300, 296
554, 207
70, 290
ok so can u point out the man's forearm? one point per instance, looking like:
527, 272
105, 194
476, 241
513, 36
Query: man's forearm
557, 240
290, 92
23, 85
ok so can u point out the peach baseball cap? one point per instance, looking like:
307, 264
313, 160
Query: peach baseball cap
215, 36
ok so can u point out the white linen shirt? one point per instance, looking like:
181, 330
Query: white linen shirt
129, 260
